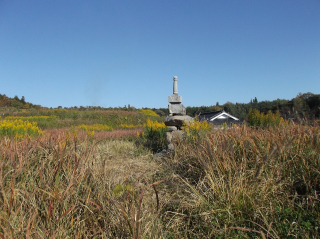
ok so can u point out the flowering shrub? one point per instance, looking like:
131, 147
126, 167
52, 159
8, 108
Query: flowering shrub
138, 134
154, 136
19, 128
196, 128
43, 121
154, 125
148, 112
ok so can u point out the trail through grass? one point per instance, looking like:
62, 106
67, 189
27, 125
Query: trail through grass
59, 187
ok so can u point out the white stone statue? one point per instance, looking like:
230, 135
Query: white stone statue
175, 98
175, 85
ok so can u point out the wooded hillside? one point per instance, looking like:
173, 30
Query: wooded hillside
303, 106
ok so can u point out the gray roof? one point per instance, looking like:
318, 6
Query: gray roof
218, 117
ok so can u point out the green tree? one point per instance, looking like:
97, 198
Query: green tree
259, 119
23, 100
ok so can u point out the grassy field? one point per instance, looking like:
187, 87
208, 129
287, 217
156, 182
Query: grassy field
60, 118
232, 183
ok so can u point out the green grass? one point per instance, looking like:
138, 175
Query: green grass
67, 118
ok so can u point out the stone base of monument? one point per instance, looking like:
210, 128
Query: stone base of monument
174, 123
174, 132
172, 128
174, 136
177, 120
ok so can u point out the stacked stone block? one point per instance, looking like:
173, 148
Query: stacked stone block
177, 115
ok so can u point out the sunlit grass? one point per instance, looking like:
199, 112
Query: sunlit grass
130, 126
248, 182
91, 129
63, 186
148, 112
233, 183
43, 117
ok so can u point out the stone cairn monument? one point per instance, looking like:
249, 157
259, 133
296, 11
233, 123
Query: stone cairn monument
177, 115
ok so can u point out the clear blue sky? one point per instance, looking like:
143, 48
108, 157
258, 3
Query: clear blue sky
113, 53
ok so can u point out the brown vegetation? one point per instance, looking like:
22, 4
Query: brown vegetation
248, 182
232, 183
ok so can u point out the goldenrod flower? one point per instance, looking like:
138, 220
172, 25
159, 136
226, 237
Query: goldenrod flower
91, 129
148, 112
130, 126
18, 128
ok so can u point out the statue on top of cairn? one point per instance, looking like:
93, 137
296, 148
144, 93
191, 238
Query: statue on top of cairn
177, 112
177, 116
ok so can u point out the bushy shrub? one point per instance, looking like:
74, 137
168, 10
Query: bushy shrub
154, 136
196, 128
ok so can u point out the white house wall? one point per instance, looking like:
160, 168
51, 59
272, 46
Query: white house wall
223, 115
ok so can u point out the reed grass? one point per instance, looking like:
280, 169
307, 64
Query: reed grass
247, 183
63, 186
232, 183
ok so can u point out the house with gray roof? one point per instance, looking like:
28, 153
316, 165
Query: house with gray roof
218, 118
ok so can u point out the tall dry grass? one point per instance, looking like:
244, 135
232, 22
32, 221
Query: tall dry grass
64, 186
247, 183
232, 183
103, 135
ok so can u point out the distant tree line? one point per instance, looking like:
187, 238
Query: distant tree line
15, 102
303, 106
93, 108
